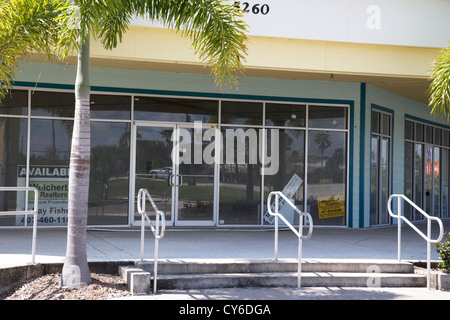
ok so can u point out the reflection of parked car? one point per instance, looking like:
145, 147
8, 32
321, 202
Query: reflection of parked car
162, 173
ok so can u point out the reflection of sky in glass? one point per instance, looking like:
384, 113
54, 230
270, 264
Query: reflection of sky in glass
327, 117
152, 133
109, 133
42, 137
174, 109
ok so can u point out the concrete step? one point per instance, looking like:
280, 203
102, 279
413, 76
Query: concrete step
194, 266
222, 273
289, 279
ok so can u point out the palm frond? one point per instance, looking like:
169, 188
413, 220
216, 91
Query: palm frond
439, 90
215, 28
27, 26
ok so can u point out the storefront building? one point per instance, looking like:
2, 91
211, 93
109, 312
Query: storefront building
332, 110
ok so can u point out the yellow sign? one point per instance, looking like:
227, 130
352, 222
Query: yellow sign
331, 207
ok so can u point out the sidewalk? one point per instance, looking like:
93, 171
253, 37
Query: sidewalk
325, 243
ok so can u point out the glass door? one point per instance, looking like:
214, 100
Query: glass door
194, 182
153, 167
170, 164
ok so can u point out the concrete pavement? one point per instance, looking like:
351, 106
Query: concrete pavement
325, 243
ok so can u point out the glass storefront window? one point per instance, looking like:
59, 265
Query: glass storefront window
419, 132
326, 189
290, 174
428, 134
374, 180
13, 150
175, 110
110, 107
15, 102
445, 183
327, 117
409, 165
285, 115
240, 178
109, 174
52, 104
241, 113
50, 144
409, 130
241, 199
418, 179
427, 169
376, 122
437, 136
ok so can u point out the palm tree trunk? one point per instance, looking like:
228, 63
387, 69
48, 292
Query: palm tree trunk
76, 270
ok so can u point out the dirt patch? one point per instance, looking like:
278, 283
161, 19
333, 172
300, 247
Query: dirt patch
103, 286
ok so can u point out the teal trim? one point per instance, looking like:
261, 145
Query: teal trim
362, 154
431, 123
44, 85
184, 93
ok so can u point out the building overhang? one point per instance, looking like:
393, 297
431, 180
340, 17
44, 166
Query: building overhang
398, 69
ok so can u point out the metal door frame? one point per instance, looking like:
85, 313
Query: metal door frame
203, 223
174, 221
133, 191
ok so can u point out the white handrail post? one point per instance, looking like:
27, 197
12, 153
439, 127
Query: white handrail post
141, 201
427, 237
35, 218
298, 233
399, 228
276, 227
300, 248
428, 252
142, 237
141, 207
155, 262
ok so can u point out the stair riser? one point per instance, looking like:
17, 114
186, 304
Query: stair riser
276, 267
237, 282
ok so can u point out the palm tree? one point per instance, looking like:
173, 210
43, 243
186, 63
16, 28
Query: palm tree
439, 90
28, 26
218, 36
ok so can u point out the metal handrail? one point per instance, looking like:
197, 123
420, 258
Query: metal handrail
34, 212
298, 233
426, 237
143, 194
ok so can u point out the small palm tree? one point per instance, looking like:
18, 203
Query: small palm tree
217, 34
439, 90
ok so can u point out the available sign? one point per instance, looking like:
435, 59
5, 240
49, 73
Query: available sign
331, 207
52, 183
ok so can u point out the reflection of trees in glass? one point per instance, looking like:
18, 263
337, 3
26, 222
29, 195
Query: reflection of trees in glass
12, 152
332, 168
56, 150
323, 142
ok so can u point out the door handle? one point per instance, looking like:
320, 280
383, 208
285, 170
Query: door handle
170, 180
175, 180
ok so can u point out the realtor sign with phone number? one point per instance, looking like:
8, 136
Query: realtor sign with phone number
52, 183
